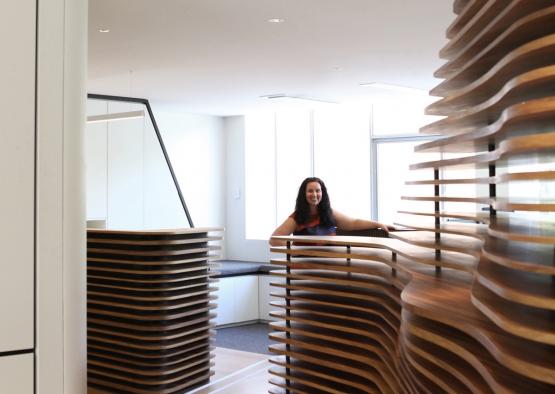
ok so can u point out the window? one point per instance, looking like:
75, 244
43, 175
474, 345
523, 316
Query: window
293, 159
393, 162
260, 190
363, 156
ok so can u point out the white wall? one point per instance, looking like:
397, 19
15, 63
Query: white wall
17, 162
42, 269
96, 168
61, 274
237, 247
125, 183
196, 147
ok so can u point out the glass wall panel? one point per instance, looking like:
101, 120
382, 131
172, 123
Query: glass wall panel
128, 182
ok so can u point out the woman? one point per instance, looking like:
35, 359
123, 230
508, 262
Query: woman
313, 215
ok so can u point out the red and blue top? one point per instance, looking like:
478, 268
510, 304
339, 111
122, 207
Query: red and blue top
313, 227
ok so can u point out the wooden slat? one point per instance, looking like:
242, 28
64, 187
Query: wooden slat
457, 344
527, 257
466, 11
536, 145
499, 27
522, 59
534, 324
514, 91
447, 361
455, 243
532, 289
459, 6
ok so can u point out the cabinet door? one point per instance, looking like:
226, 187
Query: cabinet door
225, 309
16, 374
17, 173
264, 299
246, 298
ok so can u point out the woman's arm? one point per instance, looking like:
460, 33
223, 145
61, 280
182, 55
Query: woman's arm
286, 228
348, 223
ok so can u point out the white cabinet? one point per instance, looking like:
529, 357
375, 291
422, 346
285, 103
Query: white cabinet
237, 299
226, 301
264, 299
17, 173
246, 298
16, 374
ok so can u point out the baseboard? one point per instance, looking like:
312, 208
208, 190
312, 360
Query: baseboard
243, 323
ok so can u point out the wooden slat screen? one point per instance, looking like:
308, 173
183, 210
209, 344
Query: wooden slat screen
149, 310
466, 303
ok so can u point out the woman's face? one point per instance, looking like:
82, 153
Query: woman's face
313, 193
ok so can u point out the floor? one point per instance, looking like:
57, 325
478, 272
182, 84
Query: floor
250, 338
238, 372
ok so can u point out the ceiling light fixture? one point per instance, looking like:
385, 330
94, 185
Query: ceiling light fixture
290, 98
276, 20
392, 87
103, 30
116, 116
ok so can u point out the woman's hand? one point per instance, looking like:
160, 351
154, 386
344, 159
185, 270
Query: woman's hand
348, 223
386, 227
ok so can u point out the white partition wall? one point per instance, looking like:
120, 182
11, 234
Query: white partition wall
125, 169
17, 162
96, 152
15, 372
42, 288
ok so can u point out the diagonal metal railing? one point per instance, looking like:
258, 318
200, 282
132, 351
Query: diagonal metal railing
158, 136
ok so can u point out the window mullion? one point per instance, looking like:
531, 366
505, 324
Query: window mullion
373, 168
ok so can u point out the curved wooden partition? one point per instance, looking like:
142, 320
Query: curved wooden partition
149, 310
466, 302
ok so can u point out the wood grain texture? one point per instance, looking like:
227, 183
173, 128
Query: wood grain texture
522, 59
465, 18
149, 310
497, 25
465, 303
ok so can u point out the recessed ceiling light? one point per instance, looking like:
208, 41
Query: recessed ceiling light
276, 20
116, 116
103, 30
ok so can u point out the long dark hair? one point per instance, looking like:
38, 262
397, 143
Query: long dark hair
302, 208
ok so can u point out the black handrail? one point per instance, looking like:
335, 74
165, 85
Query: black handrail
158, 135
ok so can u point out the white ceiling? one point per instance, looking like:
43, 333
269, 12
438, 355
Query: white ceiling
219, 56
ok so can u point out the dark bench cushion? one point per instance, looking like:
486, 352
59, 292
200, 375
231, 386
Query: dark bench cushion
237, 268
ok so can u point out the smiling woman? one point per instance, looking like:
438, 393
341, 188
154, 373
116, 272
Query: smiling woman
313, 215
